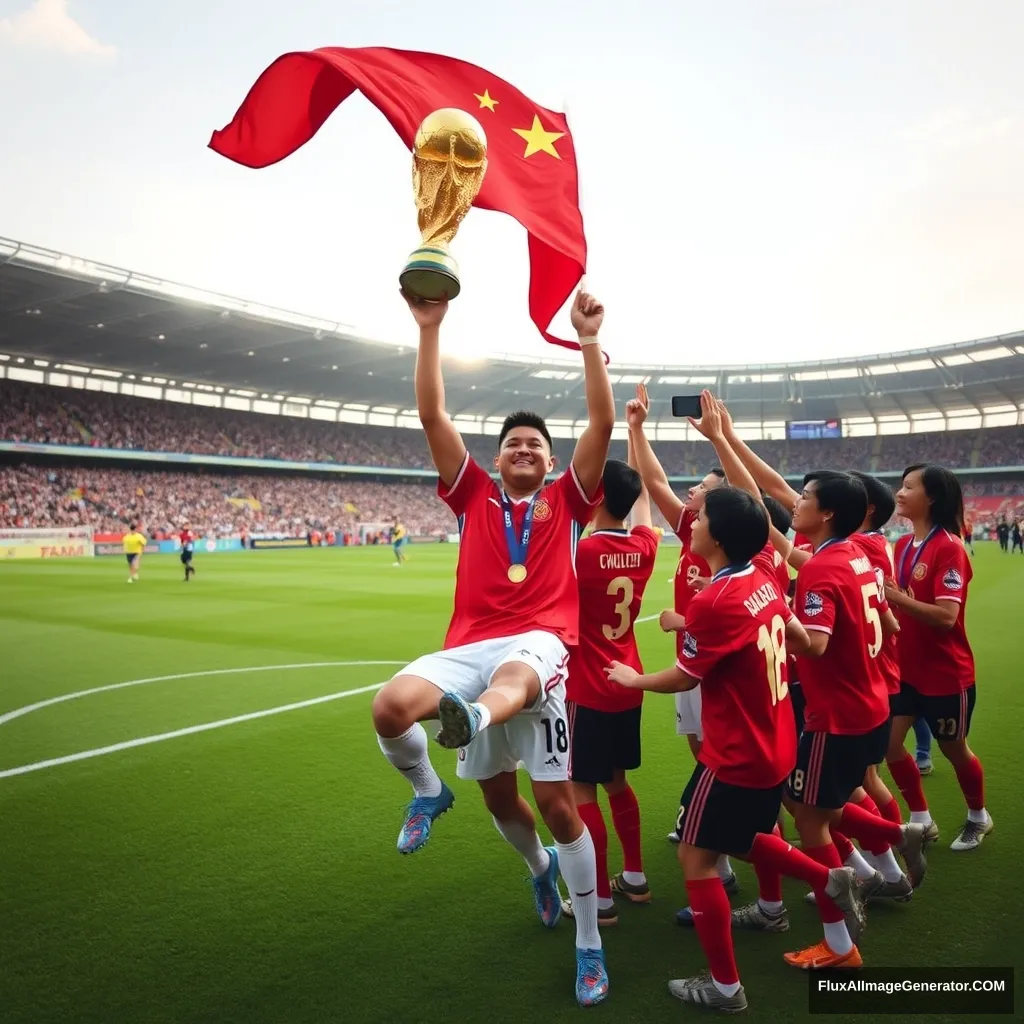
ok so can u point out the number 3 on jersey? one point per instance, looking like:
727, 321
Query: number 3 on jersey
772, 644
620, 585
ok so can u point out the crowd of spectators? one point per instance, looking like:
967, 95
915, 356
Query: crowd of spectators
49, 415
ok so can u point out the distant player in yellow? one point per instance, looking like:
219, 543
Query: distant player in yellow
134, 545
398, 541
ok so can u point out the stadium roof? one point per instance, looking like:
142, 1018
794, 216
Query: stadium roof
69, 312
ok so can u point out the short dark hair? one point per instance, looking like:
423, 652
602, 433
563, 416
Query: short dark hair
947, 498
880, 498
524, 419
780, 516
717, 471
622, 486
737, 522
844, 496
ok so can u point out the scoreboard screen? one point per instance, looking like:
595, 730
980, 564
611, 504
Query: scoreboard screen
813, 430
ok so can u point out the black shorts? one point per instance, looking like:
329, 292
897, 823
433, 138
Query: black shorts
602, 742
724, 818
948, 717
796, 698
186, 557
830, 766
130, 558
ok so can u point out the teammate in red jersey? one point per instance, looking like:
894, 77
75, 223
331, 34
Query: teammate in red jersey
613, 566
516, 609
188, 545
735, 647
929, 593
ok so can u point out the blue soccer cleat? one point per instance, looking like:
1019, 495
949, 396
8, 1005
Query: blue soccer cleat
460, 721
419, 816
591, 977
545, 892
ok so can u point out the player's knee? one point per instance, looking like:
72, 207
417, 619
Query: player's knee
391, 715
955, 751
558, 809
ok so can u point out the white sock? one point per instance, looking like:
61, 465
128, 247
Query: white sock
981, 817
527, 843
860, 865
887, 864
605, 903
920, 817
634, 877
771, 907
724, 868
578, 864
837, 937
485, 716
727, 990
408, 753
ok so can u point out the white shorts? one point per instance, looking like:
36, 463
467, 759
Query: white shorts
539, 735
688, 705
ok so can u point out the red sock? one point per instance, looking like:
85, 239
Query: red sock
626, 819
905, 774
829, 857
971, 777
594, 820
871, 831
712, 919
891, 811
769, 881
868, 804
777, 855
843, 845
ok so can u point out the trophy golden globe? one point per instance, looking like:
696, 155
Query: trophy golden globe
448, 165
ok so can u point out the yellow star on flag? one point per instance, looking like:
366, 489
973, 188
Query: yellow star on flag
538, 140
486, 101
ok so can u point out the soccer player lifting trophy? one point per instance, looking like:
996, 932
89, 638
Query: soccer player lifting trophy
449, 162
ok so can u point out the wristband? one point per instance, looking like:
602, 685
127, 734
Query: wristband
584, 342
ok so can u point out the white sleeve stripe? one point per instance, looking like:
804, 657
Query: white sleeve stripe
579, 486
947, 597
686, 672
458, 479
679, 522
818, 629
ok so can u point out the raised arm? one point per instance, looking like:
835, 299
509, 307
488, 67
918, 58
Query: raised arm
768, 479
445, 442
641, 514
712, 425
592, 447
654, 478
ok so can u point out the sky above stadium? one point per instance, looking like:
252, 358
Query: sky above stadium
762, 180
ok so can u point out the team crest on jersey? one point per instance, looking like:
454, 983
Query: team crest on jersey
689, 646
692, 573
813, 604
920, 570
953, 580
541, 511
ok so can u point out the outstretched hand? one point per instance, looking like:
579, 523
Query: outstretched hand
622, 674
425, 312
710, 422
587, 315
638, 408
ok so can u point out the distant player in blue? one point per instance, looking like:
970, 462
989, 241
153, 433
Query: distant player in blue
399, 538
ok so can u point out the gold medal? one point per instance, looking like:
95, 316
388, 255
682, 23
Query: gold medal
516, 573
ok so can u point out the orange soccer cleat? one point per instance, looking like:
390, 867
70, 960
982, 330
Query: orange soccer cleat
822, 958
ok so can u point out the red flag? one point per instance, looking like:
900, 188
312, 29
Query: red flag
531, 163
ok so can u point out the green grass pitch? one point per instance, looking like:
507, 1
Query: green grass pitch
248, 873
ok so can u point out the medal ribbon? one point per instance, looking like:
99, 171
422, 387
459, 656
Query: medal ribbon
904, 577
517, 547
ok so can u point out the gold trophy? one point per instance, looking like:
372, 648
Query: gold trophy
448, 165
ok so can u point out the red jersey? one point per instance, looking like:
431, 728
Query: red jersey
735, 644
801, 543
487, 603
774, 566
876, 548
935, 662
188, 540
837, 593
690, 567
613, 567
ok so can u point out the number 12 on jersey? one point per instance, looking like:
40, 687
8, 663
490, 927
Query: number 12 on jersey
771, 642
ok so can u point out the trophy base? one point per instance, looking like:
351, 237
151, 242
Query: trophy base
431, 274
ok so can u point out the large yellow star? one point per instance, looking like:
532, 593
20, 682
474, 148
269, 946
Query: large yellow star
486, 101
538, 140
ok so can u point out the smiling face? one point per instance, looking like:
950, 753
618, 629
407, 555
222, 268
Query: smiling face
808, 517
523, 460
696, 495
912, 500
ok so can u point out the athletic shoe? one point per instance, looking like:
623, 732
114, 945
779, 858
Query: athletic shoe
753, 917
459, 721
896, 892
912, 852
731, 885
633, 893
546, 896
931, 832
606, 916
924, 765
821, 958
842, 888
702, 991
972, 834
674, 837
419, 816
591, 977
